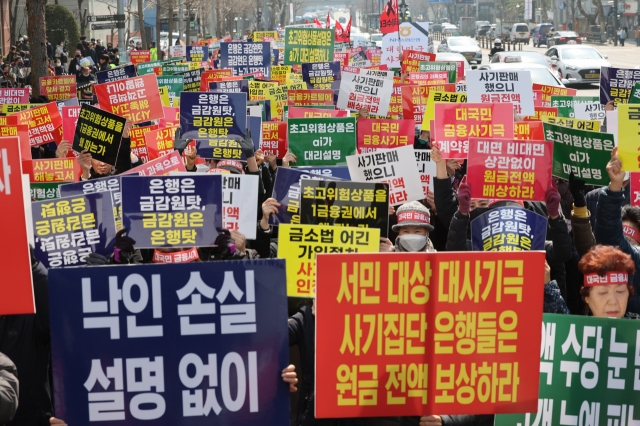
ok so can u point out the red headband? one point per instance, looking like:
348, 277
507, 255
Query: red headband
631, 232
610, 278
413, 216
183, 256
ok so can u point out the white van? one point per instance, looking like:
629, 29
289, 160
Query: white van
519, 32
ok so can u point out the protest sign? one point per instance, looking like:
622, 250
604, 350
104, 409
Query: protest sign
397, 167
136, 99
431, 78
197, 53
456, 123
340, 172
156, 372
588, 111
44, 122
635, 188
138, 141
220, 149
580, 152
321, 141
299, 245
305, 45
608, 346
573, 123
192, 79
316, 97
342, 57
628, 130
375, 134
465, 349
170, 163
566, 104
549, 91
540, 112
413, 36
261, 35
316, 112
274, 138
233, 86
139, 56
171, 117
174, 83
152, 67
457, 66
159, 142
213, 115
21, 131
100, 133
335, 203
68, 229
395, 104
246, 58
365, 89
210, 76
115, 74
239, 204
14, 96
528, 130
416, 97
54, 170
509, 169
411, 59
10, 109
634, 98
489, 86
616, 84
286, 190
171, 69
16, 285
178, 51
322, 75
45, 191
109, 184
508, 229
259, 90
172, 211
430, 110
426, 168
70, 116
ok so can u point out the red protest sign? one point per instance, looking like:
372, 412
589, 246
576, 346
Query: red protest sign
402, 335
456, 123
342, 57
415, 98
49, 170
160, 142
509, 168
21, 131
542, 112
528, 130
635, 188
137, 99
429, 78
16, 285
43, 122
274, 138
139, 56
14, 96
537, 99
310, 98
138, 141
374, 56
549, 91
70, 116
160, 166
375, 134
411, 60
59, 88
171, 117
298, 112
215, 75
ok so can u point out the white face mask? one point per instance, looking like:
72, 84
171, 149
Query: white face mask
411, 243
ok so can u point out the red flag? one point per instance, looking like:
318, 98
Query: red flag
318, 23
328, 21
306, 22
340, 35
389, 21
347, 33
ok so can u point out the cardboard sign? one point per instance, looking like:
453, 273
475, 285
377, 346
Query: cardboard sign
139, 56
100, 133
197, 54
115, 74
68, 229
581, 152
427, 170
355, 204
375, 134
509, 169
321, 141
215, 75
154, 219
322, 75
616, 84
178, 51
240, 204
589, 111
171, 69
246, 57
304, 45
411, 60
259, 90
456, 123
370, 292
213, 115
54, 170
136, 99
489, 86
180, 336
528, 130
159, 142
109, 184
192, 79
396, 167
16, 285
274, 138
457, 66
366, 89
299, 245
170, 163
138, 141
10, 96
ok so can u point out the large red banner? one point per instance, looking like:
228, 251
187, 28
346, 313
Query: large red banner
137, 99
375, 134
410, 334
16, 284
509, 168
70, 116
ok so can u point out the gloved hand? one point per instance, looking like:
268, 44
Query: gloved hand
95, 259
553, 202
576, 186
247, 145
464, 197
123, 248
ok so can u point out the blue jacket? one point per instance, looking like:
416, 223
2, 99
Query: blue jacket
608, 231
592, 201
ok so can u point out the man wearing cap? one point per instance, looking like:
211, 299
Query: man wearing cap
413, 227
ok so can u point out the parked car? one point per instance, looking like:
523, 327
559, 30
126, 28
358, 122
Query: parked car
578, 64
466, 46
482, 31
449, 29
540, 34
519, 32
526, 57
436, 28
539, 73
564, 37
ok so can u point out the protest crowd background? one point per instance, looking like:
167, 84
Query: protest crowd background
289, 229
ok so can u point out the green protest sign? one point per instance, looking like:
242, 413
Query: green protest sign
147, 67
582, 152
304, 45
634, 97
322, 141
45, 191
175, 84
438, 66
566, 104
170, 69
589, 369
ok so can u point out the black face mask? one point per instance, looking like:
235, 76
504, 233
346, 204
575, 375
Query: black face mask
478, 211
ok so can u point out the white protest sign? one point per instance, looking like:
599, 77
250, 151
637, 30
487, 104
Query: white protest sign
612, 124
589, 111
414, 36
461, 87
178, 51
240, 203
365, 88
426, 168
397, 167
489, 86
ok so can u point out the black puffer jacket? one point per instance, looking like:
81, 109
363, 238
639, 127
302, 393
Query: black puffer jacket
8, 389
592, 198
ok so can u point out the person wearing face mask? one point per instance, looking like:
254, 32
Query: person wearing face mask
423, 140
413, 227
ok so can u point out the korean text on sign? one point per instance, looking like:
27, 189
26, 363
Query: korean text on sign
100, 133
321, 141
509, 229
136, 99
307, 45
489, 86
213, 115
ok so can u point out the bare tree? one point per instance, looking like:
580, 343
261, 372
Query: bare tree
82, 17
143, 39
37, 30
592, 18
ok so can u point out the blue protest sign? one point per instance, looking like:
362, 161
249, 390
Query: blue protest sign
197, 53
172, 211
616, 84
254, 124
340, 172
286, 189
206, 115
234, 86
246, 57
275, 56
109, 184
115, 74
508, 229
68, 229
322, 75
190, 344
229, 149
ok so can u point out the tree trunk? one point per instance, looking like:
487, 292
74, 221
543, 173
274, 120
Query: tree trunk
37, 29
13, 19
143, 40
82, 17
591, 18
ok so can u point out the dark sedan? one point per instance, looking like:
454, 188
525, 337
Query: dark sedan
564, 37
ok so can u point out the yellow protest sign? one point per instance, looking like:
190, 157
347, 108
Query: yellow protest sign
294, 79
299, 244
258, 90
164, 96
572, 123
628, 129
279, 73
430, 110
194, 65
261, 35
11, 108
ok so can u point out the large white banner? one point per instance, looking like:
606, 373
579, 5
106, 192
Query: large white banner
413, 36
364, 88
489, 86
